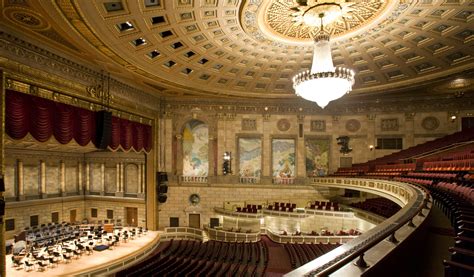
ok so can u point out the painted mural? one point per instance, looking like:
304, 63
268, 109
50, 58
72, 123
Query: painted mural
317, 157
283, 151
195, 149
250, 160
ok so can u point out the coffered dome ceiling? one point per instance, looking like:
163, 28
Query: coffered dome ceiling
253, 48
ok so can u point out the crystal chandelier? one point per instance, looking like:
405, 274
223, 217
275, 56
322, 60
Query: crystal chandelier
324, 82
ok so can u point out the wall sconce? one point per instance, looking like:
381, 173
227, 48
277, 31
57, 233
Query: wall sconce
371, 147
227, 164
453, 118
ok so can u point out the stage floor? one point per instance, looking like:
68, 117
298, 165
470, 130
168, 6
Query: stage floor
86, 262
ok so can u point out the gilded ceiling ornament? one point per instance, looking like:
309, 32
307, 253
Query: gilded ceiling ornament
290, 22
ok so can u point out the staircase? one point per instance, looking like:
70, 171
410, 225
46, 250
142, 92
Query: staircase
205, 236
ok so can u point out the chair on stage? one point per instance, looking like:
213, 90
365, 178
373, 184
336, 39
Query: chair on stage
29, 265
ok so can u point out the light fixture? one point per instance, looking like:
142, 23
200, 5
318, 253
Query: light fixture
324, 82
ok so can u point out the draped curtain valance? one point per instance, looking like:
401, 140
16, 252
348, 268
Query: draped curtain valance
43, 118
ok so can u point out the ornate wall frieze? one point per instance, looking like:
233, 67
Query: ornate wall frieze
46, 62
389, 124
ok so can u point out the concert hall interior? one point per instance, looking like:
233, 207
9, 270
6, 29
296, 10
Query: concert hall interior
237, 138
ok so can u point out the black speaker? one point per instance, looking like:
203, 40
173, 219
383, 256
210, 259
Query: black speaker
103, 129
2, 183
163, 188
162, 197
2, 207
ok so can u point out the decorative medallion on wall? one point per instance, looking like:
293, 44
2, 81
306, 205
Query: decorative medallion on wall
249, 124
318, 125
390, 124
283, 124
430, 123
194, 199
353, 125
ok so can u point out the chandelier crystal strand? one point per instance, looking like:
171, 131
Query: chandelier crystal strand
324, 82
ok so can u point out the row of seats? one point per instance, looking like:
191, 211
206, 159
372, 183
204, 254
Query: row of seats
455, 165
432, 175
395, 167
301, 254
461, 155
414, 180
323, 205
379, 205
197, 258
456, 201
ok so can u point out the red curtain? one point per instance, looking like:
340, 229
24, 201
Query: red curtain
17, 115
43, 118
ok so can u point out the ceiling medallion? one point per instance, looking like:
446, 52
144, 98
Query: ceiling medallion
298, 20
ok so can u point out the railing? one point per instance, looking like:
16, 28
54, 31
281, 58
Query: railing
413, 199
221, 211
296, 214
181, 233
194, 179
308, 238
221, 235
249, 180
284, 180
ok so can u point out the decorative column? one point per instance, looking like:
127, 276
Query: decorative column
300, 149
102, 179
143, 181
266, 150
221, 138
179, 155
117, 179
79, 178
139, 181
20, 181
120, 184
371, 139
62, 178
409, 130
88, 178
42, 185
211, 158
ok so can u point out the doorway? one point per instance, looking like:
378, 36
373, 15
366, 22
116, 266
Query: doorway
72, 216
131, 215
195, 221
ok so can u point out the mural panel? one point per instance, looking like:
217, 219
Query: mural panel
195, 149
250, 160
317, 157
283, 151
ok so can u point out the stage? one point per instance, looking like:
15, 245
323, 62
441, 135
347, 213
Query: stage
99, 262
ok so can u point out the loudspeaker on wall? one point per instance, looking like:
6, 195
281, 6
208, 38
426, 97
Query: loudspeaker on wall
2, 207
2, 183
103, 129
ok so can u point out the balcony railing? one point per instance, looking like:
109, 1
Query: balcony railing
194, 179
249, 180
284, 180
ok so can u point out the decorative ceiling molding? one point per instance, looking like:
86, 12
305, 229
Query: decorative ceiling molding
208, 48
